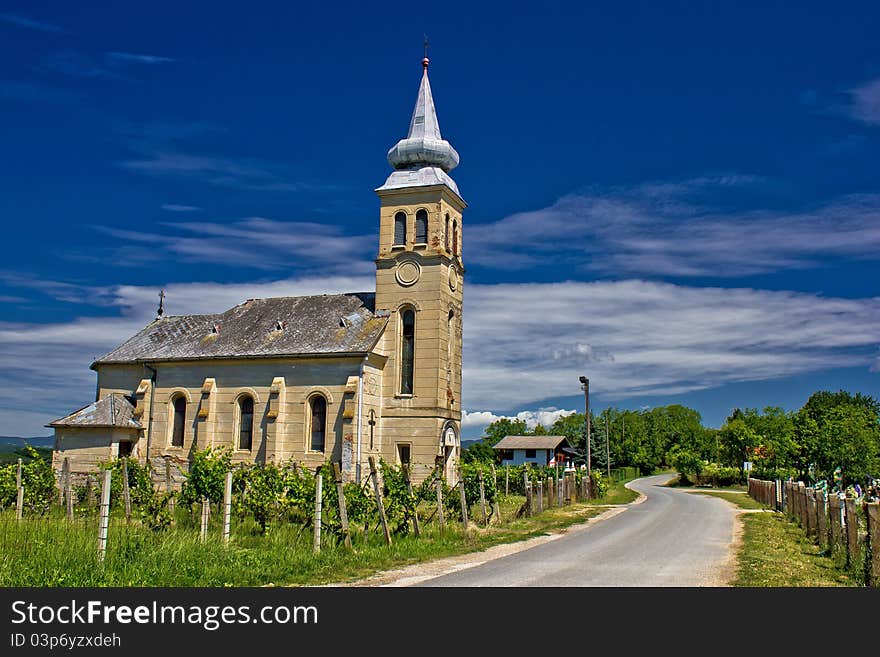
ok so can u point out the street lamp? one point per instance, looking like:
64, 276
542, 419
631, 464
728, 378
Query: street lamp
585, 385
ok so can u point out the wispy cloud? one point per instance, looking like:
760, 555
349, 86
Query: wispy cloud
254, 242
525, 343
865, 102
127, 57
33, 91
174, 207
669, 230
242, 173
78, 64
31, 24
522, 343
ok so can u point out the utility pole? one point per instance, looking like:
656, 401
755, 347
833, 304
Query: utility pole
586, 386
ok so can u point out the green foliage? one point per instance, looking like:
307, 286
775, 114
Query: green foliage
598, 484
688, 464
479, 452
207, 476
140, 485
154, 512
504, 427
37, 477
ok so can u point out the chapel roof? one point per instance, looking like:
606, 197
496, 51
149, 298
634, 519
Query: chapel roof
114, 410
319, 325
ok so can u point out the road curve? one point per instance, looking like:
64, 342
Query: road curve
673, 538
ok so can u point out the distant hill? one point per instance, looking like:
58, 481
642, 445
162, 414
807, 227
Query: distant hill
16, 442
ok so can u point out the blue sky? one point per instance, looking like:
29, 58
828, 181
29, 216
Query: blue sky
681, 202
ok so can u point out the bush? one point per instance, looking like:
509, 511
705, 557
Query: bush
206, 476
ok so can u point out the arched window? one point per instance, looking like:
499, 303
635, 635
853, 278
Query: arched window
318, 420
245, 422
422, 227
407, 350
400, 229
454, 237
179, 421
446, 232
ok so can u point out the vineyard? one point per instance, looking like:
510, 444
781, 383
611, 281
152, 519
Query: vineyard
265, 524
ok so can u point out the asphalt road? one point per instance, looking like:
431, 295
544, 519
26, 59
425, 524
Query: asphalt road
673, 538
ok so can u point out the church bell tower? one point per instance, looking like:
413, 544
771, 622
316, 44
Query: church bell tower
419, 282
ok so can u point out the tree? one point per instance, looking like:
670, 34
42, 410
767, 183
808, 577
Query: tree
504, 427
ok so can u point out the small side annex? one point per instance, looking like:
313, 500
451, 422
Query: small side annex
540, 450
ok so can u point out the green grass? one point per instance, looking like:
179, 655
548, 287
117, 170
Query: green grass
617, 493
51, 551
776, 552
738, 498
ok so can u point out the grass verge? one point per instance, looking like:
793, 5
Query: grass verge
775, 552
52, 552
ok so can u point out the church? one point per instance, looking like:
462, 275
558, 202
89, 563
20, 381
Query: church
333, 377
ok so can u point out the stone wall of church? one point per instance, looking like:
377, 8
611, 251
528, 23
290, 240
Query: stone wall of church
213, 389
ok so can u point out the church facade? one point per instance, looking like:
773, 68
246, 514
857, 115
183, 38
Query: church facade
335, 377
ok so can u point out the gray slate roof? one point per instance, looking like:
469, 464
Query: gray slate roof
530, 442
114, 410
325, 324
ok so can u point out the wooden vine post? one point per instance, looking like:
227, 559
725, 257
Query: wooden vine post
343, 512
821, 518
463, 497
540, 495
507, 480
68, 498
227, 506
62, 484
379, 504
19, 493
168, 487
483, 500
206, 515
440, 502
90, 493
417, 531
105, 516
126, 494
316, 543
872, 562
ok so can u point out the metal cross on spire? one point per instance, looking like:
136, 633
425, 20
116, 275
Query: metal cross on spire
426, 60
161, 310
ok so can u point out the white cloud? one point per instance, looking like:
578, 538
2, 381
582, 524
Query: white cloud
522, 343
138, 59
175, 207
865, 102
543, 416
254, 242
30, 23
663, 229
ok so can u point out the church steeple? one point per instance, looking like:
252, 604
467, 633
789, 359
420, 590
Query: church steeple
423, 157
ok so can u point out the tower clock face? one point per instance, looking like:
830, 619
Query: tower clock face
453, 278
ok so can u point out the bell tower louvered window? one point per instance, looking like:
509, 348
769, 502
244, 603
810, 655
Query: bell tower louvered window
400, 229
422, 227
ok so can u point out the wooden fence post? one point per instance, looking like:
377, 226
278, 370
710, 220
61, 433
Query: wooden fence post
379, 504
540, 496
417, 531
343, 512
852, 531
105, 516
62, 483
316, 543
528, 504
834, 520
227, 506
507, 480
206, 514
811, 512
126, 494
821, 519
440, 502
483, 500
560, 493
464, 504
872, 560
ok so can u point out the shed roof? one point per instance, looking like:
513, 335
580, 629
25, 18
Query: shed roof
114, 411
531, 442
325, 324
